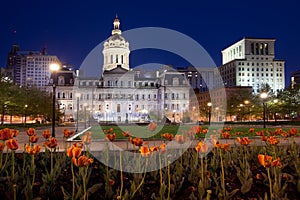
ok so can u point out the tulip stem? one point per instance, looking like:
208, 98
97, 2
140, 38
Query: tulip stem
51, 161
270, 183
33, 171
121, 190
73, 180
13, 173
223, 175
141, 183
169, 181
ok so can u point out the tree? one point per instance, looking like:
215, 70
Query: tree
290, 99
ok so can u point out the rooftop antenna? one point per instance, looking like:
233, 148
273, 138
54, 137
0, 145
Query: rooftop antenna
15, 36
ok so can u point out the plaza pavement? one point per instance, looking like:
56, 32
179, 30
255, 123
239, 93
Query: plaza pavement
99, 145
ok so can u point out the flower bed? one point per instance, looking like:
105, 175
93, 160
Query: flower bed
211, 170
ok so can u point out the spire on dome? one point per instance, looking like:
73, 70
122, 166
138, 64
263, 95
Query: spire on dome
116, 26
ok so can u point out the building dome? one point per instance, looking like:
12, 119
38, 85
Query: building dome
116, 49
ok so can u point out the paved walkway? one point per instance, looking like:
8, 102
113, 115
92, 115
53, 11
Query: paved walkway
98, 145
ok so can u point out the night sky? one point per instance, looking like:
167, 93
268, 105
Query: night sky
71, 29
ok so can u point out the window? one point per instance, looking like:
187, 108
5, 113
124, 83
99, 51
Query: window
118, 108
117, 61
257, 48
111, 59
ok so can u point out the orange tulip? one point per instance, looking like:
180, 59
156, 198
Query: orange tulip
285, 134
226, 135
33, 138
202, 147
12, 144
251, 130
276, 163
293, 132
228, 128
67, 133
265, 160
82, 161
74, 151
162, 148
272, 140
180, 139
14, 132
126, 134
145, 152
110, 137
260, 133
168, 136
204, 131
226, 147
154, 148
152, 126
5, 134
78, 144
46, 134
130, 140
196, 129
33, 151
243, 141
30, 132
277, 131
137, 141
2, 145
51, 142
87, 138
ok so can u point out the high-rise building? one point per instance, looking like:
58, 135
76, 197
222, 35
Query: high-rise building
30, 68
252, 62
199, 78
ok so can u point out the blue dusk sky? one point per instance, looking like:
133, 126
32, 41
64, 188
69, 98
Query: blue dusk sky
71, 29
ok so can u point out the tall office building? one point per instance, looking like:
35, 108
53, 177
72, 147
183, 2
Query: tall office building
252, 62
30, 68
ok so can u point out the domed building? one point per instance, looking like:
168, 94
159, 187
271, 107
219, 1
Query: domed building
116, 49
123, 94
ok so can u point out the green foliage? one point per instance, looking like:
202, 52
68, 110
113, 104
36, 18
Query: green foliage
13, 99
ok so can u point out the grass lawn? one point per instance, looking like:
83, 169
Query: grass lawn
143, 132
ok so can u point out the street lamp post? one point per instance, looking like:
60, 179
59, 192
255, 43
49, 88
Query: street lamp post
77, 117
275, 102
84, 107
246, 102
264, 95
25, 113
54, 68
242, 110
209, 104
